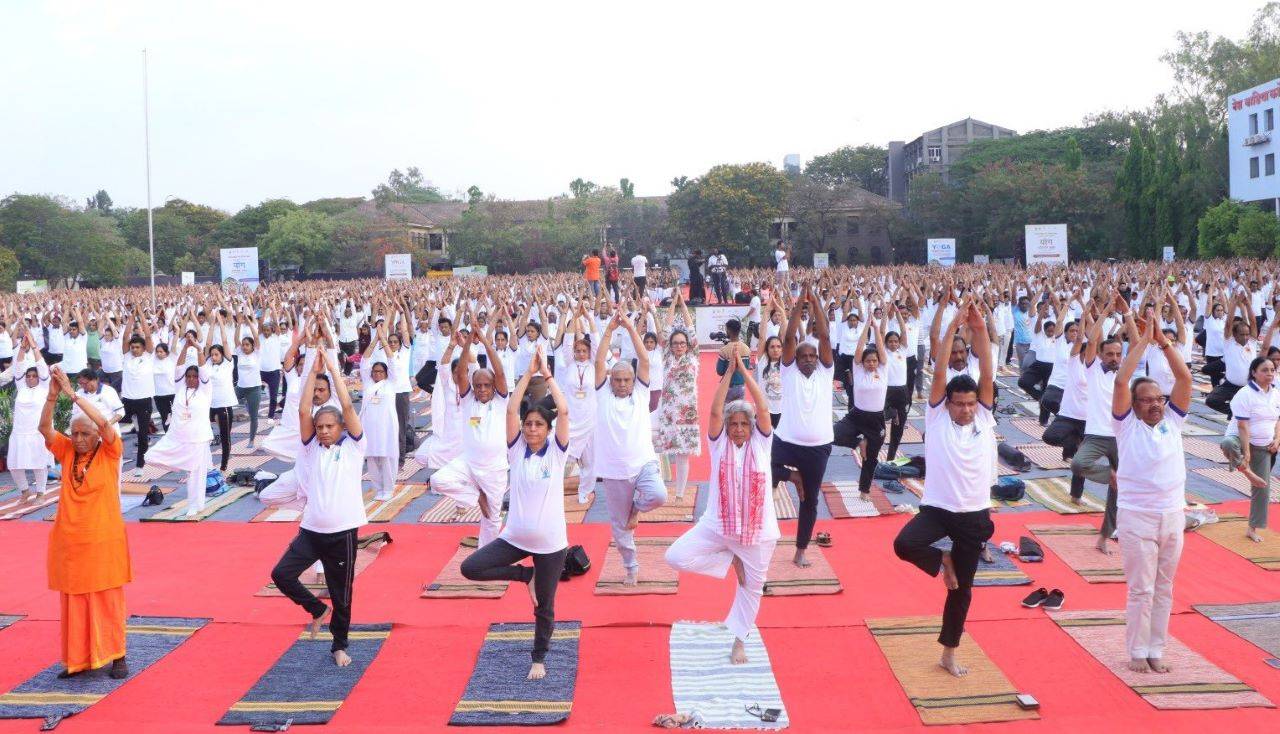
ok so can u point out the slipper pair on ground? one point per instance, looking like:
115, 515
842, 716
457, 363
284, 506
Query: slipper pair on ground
1051, 600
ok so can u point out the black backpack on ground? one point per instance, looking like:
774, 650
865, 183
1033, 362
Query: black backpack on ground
576, 563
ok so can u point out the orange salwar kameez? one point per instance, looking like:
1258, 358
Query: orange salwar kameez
88, 559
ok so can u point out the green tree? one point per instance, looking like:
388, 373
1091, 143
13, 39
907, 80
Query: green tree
863, 166
581, 189
1216, 227
628, 188
408, 187
58, 243
1134, 186
100, 201
730, 207
300, 237
335, 205
9, 268
243, 229
175, 236
1257, 234
1073, 156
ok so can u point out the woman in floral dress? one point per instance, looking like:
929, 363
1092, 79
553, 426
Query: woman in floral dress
678, 434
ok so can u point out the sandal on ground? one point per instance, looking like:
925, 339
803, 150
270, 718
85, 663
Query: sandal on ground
823, 539
675, 721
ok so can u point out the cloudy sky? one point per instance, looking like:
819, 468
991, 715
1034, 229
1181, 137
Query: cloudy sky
252, 100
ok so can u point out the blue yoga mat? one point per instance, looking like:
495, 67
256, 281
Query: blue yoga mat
8, 619
304, 685
498, 693
1002, 571
47, 697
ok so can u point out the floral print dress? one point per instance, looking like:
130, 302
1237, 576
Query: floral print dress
678, 431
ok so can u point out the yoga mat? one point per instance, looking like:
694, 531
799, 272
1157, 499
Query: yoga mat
1055, 494
8, 619
785, 578
304, 685
1029, 426
703, 679
910, 434
575, 513
1193, 429
177, 512
1229, 532
1000, 572
1230, 479
241, 448
17, 508
1044, 455
141, 488
1031, 406
916, 486
408, 469
655, 576
451, 584
367, 549
673, 511
498, 694
45, 696
845, 501
1076, 545
1202, 449
245, 462
1258, 623
910, 644
386, 510
150, 474
784, 505
1193, 682
277, 514
446, 511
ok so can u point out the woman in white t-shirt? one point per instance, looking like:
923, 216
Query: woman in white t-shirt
248, 375
378, 416
112, 356
769, 375
222, 377
575, 371
163, 365
185, 446
535, 524
27, 451
739, 527
1251, 439
863, 425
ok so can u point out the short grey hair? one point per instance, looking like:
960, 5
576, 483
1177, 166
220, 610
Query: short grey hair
620, 366
328, 410
740, 406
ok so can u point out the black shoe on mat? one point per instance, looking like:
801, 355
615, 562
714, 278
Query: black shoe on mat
1054, 600
1036, 598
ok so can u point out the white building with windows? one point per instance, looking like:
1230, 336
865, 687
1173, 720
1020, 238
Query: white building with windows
935, 151
1254, 144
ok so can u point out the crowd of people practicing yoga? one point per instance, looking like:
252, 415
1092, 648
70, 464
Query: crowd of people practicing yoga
536, 380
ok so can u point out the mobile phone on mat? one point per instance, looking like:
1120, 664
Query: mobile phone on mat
1028, 702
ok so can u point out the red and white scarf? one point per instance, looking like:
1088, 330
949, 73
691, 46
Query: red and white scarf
742, 496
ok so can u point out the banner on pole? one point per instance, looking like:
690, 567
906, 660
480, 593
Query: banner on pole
399, 267
1168, 253
240, 265
981, 259
31, 286
942, 251
821, 260
1046, 244
188, 278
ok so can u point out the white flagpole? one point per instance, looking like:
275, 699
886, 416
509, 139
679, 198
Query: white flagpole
146, 128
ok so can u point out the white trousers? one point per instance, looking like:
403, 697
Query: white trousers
382, 470
1150, 546
437, 451
583, 452
703, 550
643, 492
197, 479
40, 478
462, 482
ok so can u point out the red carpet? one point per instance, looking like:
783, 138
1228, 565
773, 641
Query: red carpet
830, 671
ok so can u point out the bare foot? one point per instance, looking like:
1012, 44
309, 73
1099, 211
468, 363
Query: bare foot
630, 578
319, 622
1254, 535
986, 554
739, 571
537, 671
484, 505
1157, 666
1077, 500
27, 496
949, 663
1139, 665
739, 654
949, 573
800, 560
633, 520
1102, 545
341, 658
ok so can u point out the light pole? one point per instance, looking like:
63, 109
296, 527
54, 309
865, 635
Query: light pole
146, 132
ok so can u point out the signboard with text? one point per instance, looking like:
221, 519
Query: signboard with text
821, 260
1168, 254
709, 322
240, 265
1253, 143
1046, 244
942, 251
981, 259
399, 267
471, 271
188, 278
32, 286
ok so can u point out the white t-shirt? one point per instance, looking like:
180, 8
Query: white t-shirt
270, 352
623, 440
189, 422
1237, 359
1152, 471
484, 431
247, 374
1101, 386
869, 388
961, 459
162, 374
896, 365
329, 479
806, 406
112, 355
1213, 336
75, 353
761, 447
222, 376
1260, 409
639, 266
106, 400
138, 380
1075, 392
535, 521
780, 257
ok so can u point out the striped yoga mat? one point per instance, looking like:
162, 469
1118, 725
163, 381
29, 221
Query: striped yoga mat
498, 693
277, 514
386, 510
1076, 545
1044, 455
245, 462
1000, 572
1202, 449
367, 549
1229, 532
845, 501
451, 584
1193, 682
177, 512
16, 508
1258, 623
1055, 494
1231, 479
784, 505
917, 488
304, 685
45, 696
575, 513
654, 577
407, 470
910, 434
673, 511
449, 512
785, 578
703, 679
1029, 426
911, 646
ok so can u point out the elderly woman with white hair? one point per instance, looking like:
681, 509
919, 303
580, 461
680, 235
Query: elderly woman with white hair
739, 526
